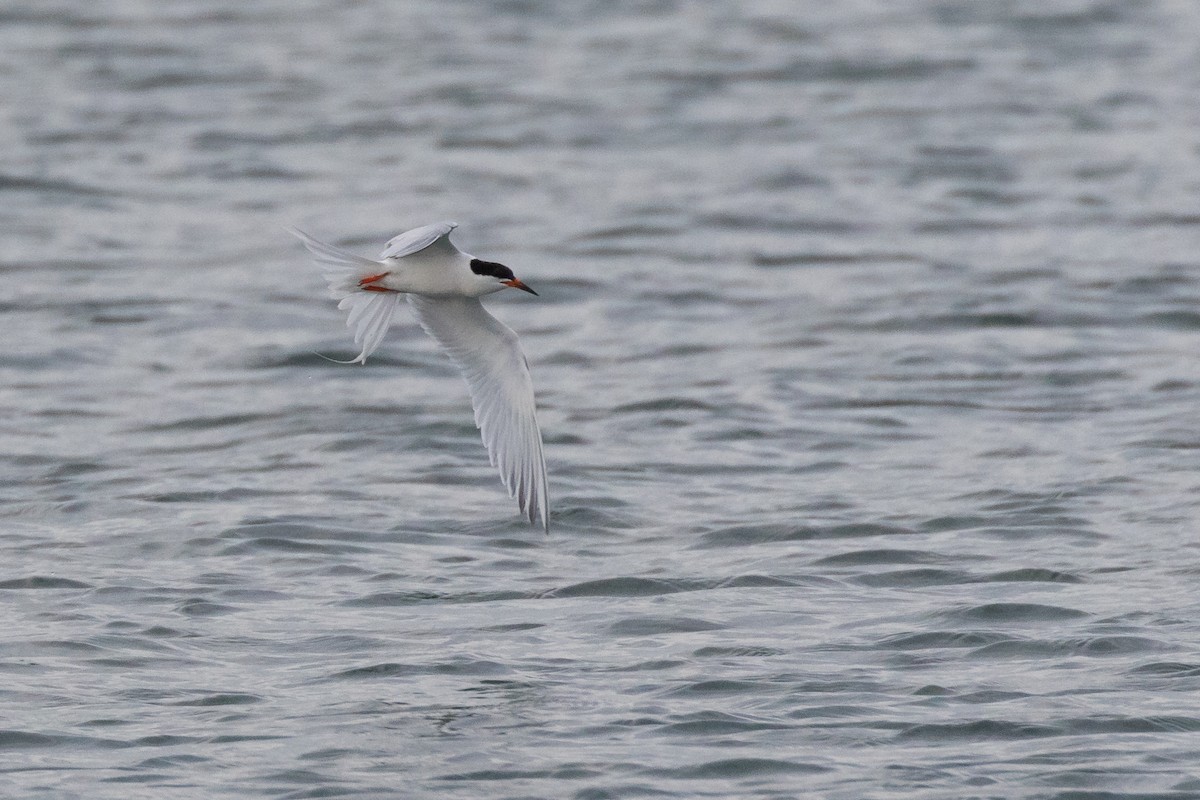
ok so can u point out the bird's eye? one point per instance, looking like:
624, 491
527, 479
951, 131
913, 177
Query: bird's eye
498, 271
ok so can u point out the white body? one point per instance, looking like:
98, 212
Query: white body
443, 291
435, 272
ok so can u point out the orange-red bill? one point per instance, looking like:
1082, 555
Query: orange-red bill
517, 284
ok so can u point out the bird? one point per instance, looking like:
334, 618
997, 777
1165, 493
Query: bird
443, 286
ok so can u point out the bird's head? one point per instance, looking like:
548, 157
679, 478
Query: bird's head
498, 274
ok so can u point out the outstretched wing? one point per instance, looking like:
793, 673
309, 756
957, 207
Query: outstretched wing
490, 358
418, 239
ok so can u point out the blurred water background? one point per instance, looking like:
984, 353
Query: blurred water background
866, 355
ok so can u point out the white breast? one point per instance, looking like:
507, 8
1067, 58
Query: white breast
435, 274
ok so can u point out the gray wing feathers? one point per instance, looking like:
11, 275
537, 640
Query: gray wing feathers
489, 356
418, 239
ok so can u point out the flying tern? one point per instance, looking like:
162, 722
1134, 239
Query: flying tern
443, 286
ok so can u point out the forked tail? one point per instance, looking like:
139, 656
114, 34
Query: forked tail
342, 269
350, 282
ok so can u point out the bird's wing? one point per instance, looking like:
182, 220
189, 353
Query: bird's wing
490, 358
418, 239
370, 312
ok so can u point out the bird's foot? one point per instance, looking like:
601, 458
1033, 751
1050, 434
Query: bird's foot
367, 284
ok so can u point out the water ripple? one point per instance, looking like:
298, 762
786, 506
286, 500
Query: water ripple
865, 358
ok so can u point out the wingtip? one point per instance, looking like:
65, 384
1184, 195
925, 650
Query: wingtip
537, 517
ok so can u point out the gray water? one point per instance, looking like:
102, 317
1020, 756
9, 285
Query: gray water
866, 356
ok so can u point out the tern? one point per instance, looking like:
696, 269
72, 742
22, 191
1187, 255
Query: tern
443, 286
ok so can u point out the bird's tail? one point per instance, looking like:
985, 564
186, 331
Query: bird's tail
342, 269
370, 312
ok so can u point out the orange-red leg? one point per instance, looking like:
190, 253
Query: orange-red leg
365, 283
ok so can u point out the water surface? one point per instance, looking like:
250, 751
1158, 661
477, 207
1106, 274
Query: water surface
866, 359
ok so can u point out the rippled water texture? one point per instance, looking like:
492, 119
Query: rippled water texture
866, 354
